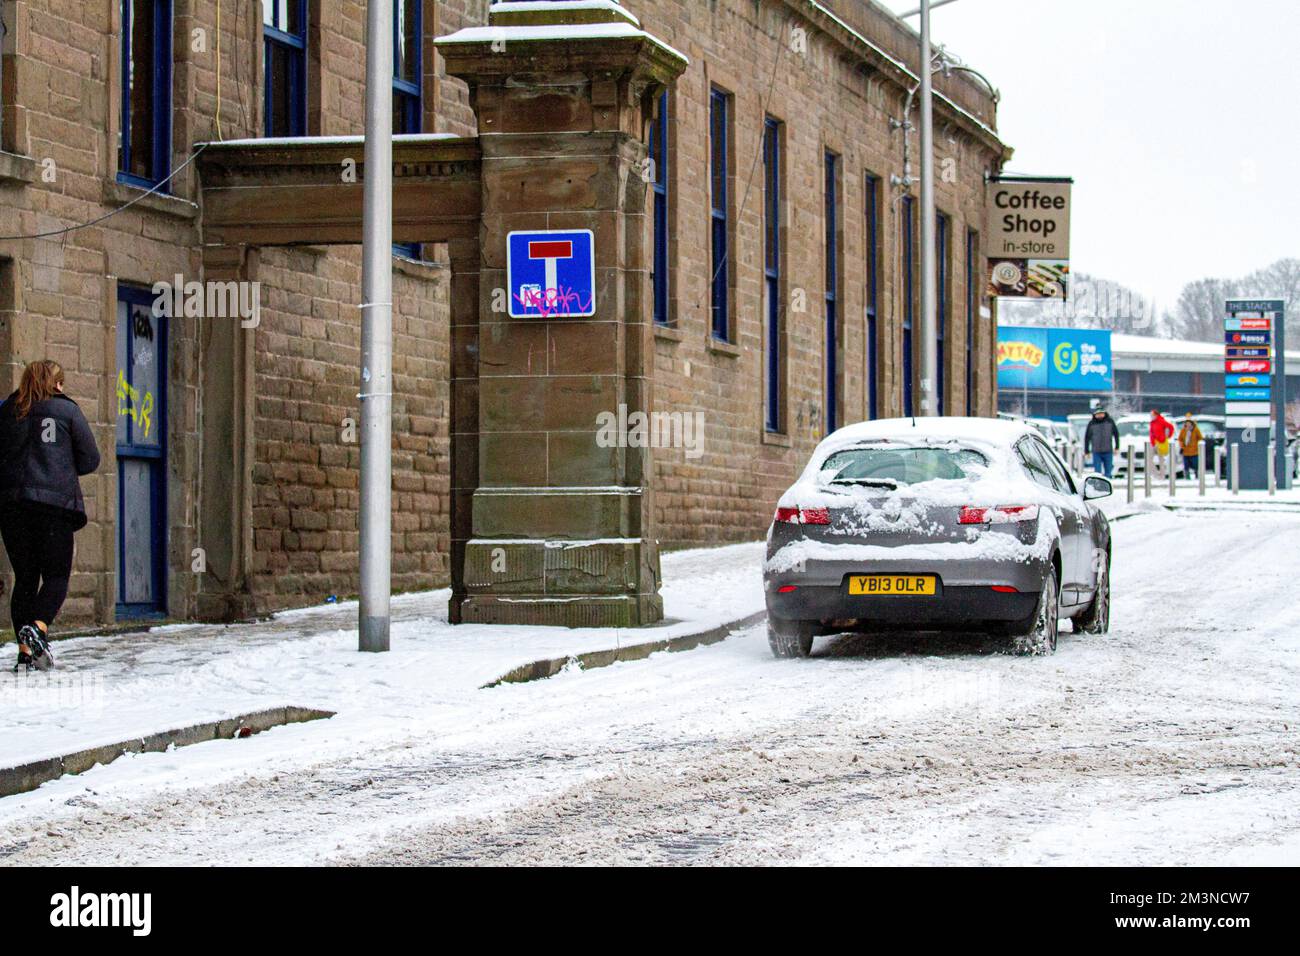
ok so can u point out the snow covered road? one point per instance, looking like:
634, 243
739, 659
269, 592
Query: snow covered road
1171, 740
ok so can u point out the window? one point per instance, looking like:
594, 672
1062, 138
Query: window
284, 31
1035, 464
890, 465
720, 212
909, 296
873, 293
4, 51
772, 249
941, 302
832, 221
408, 114
972, 303
407, 117
659, 198
144, 131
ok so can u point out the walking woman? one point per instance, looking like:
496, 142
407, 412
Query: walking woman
45, 447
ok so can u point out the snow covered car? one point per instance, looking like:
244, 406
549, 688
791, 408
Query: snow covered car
937, 524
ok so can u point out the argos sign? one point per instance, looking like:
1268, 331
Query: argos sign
1064, 359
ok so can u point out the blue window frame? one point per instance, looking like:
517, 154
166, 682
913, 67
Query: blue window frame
972, 245
941, 301
909, 296
408, 115
720, 212
832, 222
144, 136
284, 33
141, 435
873, 293
772, 248
659, 198
407, 65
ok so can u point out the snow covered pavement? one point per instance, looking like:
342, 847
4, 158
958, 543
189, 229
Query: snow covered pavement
1171, 740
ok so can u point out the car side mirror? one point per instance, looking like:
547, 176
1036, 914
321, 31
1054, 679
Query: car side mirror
1095, 486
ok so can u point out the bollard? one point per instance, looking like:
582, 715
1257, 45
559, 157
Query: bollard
1200, 467
1272, 468
1173, 472
1147, 461
1218, 465
1128, 472
1232, 468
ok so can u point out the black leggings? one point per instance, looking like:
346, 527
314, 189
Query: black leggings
39, 542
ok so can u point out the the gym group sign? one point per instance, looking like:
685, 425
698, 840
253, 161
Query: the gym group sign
1069, 359
1028, 237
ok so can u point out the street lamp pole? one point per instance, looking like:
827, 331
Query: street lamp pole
929, 339
373, 616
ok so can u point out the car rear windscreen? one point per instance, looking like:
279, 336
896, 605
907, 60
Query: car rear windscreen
901, 465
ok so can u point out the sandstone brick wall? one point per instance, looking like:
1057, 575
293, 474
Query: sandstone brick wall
826, 102
57, 294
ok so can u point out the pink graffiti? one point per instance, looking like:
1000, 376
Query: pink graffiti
554, 302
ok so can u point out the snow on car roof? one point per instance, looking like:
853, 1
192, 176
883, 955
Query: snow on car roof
986, 431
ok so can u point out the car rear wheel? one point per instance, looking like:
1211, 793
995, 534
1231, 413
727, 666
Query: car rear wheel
790, 638
1040, 639
1096, 618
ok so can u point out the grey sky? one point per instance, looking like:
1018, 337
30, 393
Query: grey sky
1177, 119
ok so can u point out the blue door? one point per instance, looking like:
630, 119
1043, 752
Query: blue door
141, 456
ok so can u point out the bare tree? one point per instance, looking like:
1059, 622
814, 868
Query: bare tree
1198, 316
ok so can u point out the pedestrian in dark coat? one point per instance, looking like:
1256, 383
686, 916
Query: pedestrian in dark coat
45, 447
1100, 439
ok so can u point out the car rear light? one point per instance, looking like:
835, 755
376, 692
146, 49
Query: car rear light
1005, 589
803, 515
787, 588
1002, 514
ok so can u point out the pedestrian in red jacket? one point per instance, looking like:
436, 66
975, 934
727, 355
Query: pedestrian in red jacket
1162, 429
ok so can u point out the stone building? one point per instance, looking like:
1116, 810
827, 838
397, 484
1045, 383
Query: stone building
770, 256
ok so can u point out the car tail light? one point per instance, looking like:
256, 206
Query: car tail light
787, 588
1005, 589
1002, 514
803, 515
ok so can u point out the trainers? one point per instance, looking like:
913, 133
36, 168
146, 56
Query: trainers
40, 656
24, 659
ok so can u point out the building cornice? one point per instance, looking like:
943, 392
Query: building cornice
897, 72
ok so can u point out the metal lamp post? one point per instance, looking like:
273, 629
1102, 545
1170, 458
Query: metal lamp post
377, 335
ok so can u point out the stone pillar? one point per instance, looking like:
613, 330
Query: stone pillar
561, 530
226, 493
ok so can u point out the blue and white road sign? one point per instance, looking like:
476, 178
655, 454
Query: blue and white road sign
551, 274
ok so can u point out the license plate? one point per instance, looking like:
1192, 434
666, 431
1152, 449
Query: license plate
892, 585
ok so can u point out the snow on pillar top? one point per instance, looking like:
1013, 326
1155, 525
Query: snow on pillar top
506, 13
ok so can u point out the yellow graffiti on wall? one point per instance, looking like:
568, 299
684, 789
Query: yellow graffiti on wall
130, 404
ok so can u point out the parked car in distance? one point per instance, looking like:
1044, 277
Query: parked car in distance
937, 524
1134, 431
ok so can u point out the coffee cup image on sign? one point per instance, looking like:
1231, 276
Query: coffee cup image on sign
1008, 277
